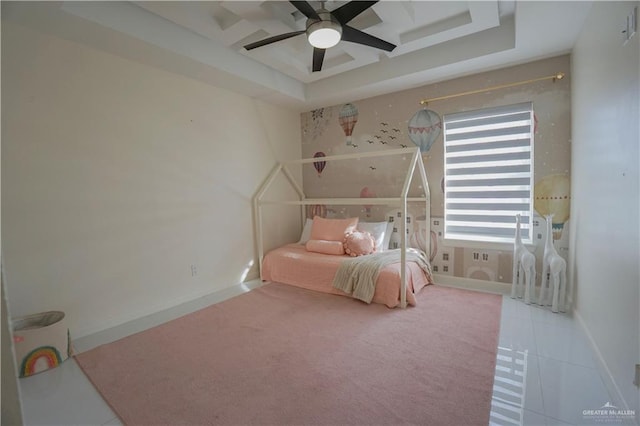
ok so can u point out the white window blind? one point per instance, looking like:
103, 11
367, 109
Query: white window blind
488, 166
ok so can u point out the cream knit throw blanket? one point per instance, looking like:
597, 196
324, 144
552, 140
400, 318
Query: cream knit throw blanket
357, 276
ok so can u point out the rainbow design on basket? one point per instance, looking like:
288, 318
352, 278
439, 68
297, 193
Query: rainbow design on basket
48, 353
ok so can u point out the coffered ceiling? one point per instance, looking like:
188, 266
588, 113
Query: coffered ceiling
436, 40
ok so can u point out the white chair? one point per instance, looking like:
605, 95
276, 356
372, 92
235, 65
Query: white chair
524, 268
554, 271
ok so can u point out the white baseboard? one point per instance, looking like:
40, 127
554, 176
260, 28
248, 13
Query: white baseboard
605, 373
141, 321
472, 284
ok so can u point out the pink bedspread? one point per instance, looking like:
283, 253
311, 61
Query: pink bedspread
293, 264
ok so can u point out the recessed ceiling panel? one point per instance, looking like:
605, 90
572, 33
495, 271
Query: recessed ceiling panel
435, 28
435, 40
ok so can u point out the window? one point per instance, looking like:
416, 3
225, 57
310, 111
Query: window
488, 166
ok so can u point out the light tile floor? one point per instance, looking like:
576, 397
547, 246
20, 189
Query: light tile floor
545, 375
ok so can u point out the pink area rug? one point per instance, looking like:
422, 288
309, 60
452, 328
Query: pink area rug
282, 355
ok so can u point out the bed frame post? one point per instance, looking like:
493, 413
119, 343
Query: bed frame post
257, 212
301, 196
403, 255
403, 227
427, 207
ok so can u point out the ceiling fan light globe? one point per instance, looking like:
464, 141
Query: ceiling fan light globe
324, 34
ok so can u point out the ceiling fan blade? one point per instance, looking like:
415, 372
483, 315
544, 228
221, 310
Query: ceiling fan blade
306, 9
272, 40
347, 12
318, 57
356, 36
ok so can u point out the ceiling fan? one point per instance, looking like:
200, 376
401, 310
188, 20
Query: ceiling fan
325, 29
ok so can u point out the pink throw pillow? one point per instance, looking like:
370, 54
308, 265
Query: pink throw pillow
359, 243
332, 229
325, 247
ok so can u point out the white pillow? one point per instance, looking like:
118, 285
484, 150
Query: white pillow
306, 232
378, 231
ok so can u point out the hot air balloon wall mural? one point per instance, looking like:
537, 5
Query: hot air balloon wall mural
348, 117
367, 193
314, 123
396, 120
552, 197
424, 128
319, 165
316, 210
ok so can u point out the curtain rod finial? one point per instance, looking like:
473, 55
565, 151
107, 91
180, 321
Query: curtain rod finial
558, 76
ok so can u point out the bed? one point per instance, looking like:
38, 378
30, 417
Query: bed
293, 264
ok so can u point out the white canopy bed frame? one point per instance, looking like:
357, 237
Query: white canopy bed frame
400, 201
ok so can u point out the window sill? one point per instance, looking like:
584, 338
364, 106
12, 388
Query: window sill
490, 245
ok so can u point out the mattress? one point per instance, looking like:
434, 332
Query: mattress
292, 264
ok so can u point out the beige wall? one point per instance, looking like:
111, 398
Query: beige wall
117, 177
383, 118
605, 209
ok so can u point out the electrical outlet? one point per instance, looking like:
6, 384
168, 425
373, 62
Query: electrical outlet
636, 381
194, 271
